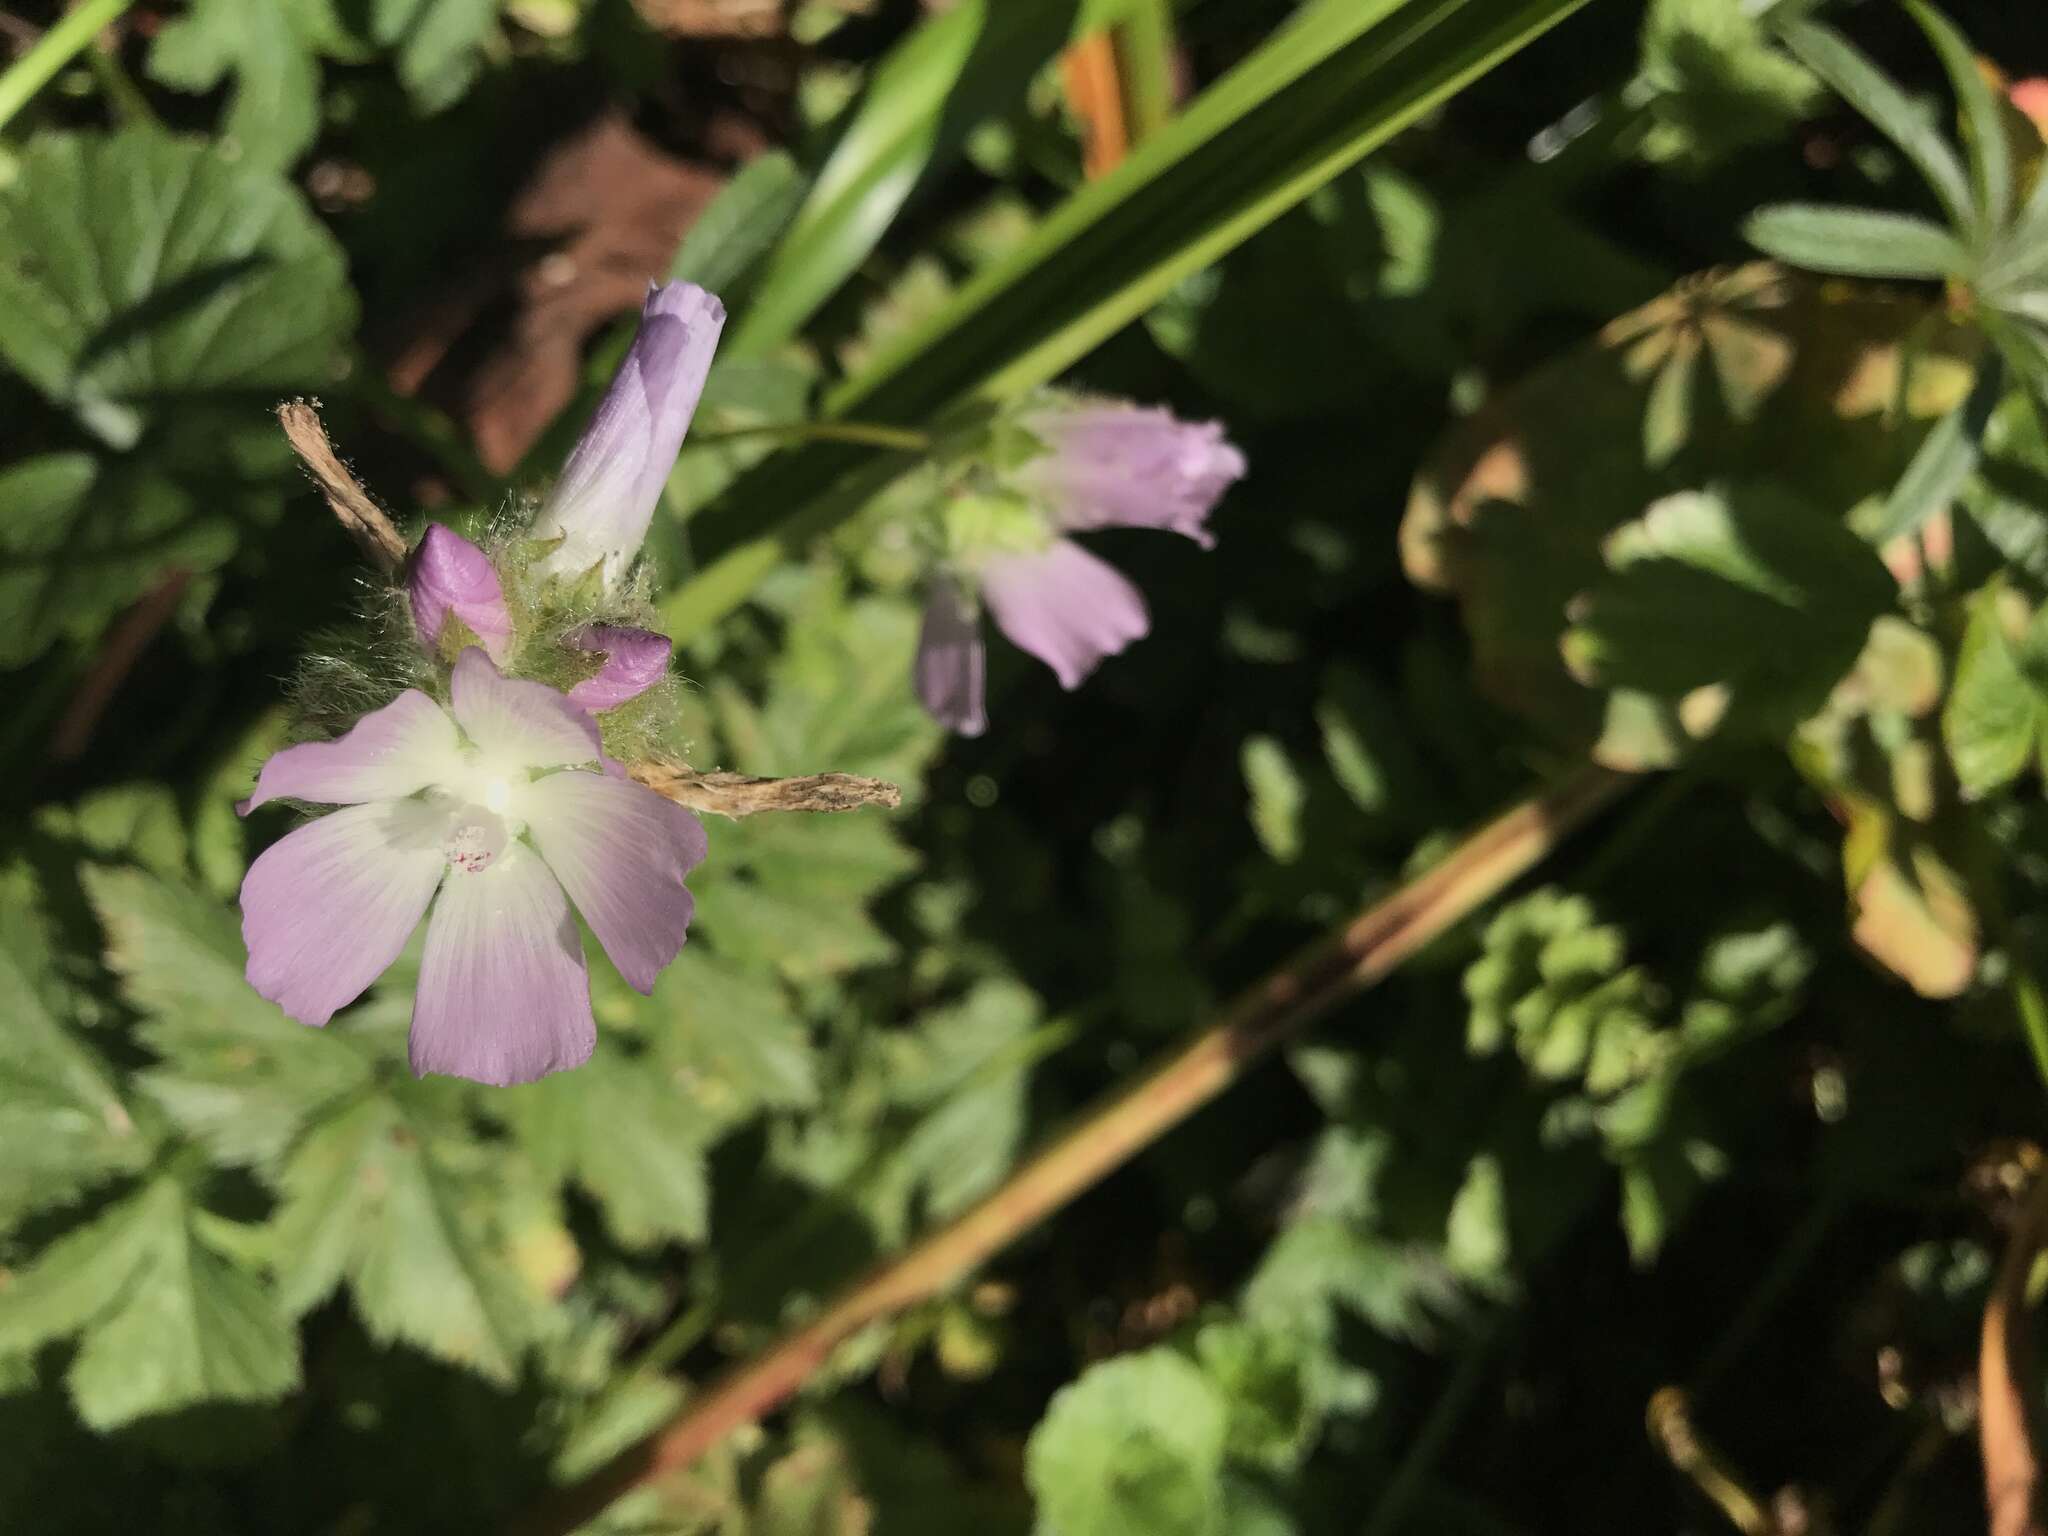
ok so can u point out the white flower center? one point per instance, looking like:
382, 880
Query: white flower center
474, 839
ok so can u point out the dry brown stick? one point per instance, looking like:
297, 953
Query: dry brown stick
2005, 1379
735, 795
366, 522
1362, 952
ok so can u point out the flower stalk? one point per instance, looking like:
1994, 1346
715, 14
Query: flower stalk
1355, 956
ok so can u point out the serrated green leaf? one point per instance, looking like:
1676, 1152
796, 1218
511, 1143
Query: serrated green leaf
1720, 86
1135, 1445
1750, 591
375, 1196
80, 538
778, 897
964, 1071
272, 48
63, 1125
628, 1133
1259, 1373
438, 43
1996, 714
1856, 242
137, 269
731, 1039
236, 1074
168, 1321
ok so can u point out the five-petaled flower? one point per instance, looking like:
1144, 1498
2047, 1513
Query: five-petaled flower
503, 804
1093, 464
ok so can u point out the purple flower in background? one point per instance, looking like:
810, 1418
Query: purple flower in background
503, 805
1099, 465
601, 506
1109, 464
449, 575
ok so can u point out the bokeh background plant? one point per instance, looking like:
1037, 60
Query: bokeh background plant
1642, 406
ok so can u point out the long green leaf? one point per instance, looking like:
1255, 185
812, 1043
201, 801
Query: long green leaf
1871, 92
1855, 242
1944, 459
1317, 98
951, 72
1990, 150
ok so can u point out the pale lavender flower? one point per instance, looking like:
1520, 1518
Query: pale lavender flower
1103, 464
601, 506
634, 661
504, 805
450, 575
1112, 464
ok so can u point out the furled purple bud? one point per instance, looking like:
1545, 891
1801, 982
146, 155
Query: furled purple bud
1108, 463
634, 661
450, 575
601, 506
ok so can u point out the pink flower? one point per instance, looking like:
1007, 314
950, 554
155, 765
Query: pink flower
601, 506
1104, 464
501, 805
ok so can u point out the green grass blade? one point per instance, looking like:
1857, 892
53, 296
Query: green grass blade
950, 73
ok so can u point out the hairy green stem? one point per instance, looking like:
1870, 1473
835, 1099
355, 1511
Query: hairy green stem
1358, 954
56, 48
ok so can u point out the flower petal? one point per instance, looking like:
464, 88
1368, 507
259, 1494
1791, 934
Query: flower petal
390, 752
503, 996
1064, 606
621, 851
1111, 464
327, 908
516, 722
950, 661
451, 575
634, 661
601, 506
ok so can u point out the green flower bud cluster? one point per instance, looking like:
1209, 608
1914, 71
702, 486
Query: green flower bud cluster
1554, 982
